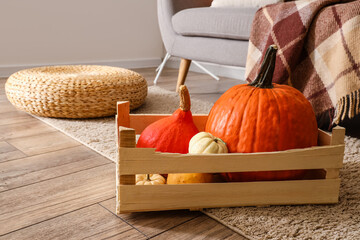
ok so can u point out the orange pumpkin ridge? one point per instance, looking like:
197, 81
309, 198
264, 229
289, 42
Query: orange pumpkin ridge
263, 117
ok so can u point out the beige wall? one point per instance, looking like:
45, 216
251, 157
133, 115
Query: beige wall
37, 32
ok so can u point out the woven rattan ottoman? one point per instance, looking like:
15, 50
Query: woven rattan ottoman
75, 91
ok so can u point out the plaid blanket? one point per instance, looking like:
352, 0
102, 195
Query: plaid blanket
319, 53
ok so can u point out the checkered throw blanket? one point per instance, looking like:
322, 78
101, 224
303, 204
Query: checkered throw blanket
319, 52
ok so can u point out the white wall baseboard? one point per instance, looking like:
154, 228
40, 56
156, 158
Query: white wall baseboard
7, 70
219, 70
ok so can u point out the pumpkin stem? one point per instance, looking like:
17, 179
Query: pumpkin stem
266, 73
185, 102
219, 140
148, 178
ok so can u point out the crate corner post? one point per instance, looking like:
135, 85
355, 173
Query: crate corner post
123, 113
338, 136
126, 139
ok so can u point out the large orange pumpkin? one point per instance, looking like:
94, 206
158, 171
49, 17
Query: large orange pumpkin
171, 134
263, 117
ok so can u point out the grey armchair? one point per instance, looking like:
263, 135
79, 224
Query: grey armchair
191, 30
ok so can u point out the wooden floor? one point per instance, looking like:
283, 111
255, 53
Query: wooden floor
52, 187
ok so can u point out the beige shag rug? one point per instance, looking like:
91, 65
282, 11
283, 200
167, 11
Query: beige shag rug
340, 221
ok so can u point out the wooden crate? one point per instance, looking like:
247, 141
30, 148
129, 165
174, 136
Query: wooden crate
327, 158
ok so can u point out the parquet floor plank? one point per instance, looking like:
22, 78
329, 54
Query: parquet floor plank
153, 223
25, 206
95, 223
29, 170
43, 143
9, 152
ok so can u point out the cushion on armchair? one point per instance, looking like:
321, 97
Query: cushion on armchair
229, 23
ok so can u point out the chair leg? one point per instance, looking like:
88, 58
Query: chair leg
166, 58
206, 71
161, 67
183, 71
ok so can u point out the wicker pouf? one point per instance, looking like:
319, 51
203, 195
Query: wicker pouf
75, 91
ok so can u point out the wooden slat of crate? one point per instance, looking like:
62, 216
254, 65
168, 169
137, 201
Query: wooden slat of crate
140, 121
208, 195
135, 161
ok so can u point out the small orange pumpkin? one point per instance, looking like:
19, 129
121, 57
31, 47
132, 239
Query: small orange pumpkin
171, 134
263, 117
